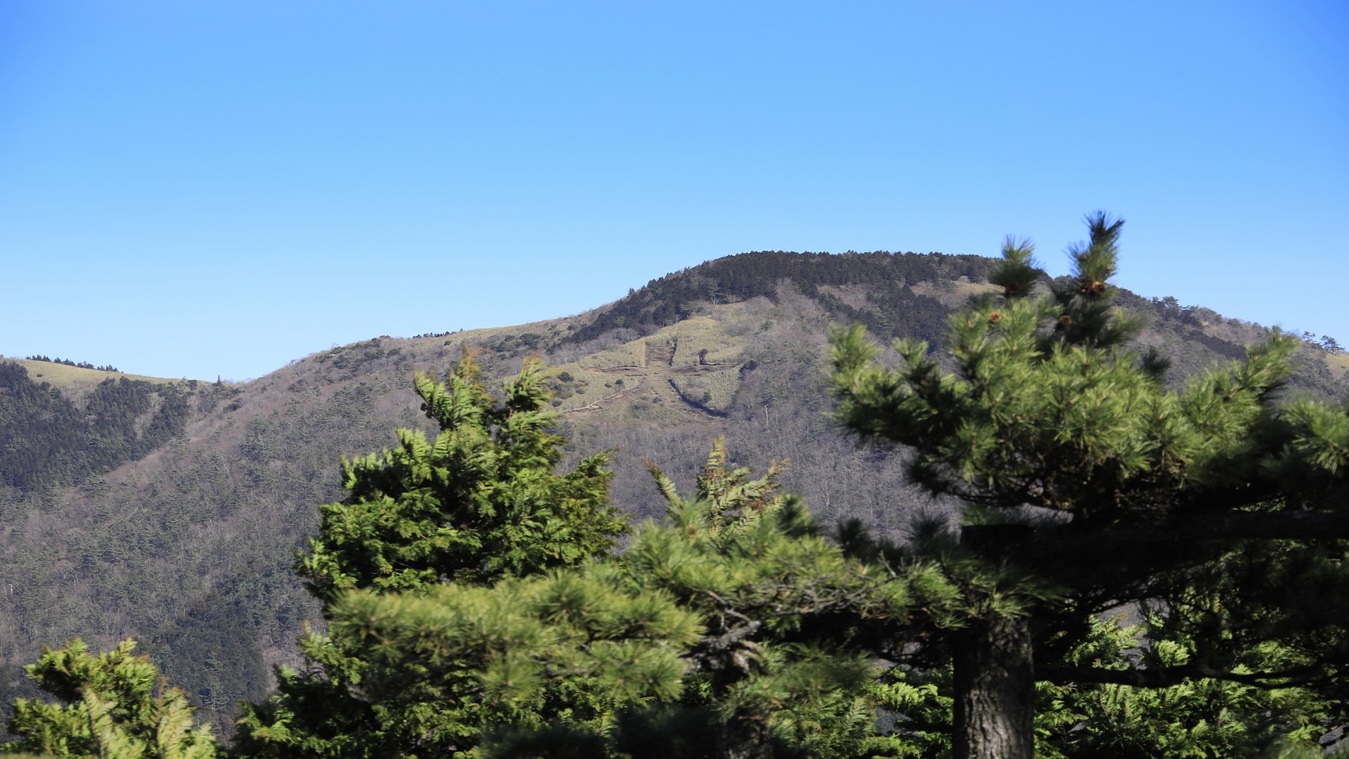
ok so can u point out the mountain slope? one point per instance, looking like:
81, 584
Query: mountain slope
188, 546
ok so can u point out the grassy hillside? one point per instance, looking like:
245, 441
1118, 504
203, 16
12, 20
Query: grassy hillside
76, 381
189, 545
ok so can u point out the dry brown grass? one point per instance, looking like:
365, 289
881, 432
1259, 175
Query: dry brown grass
76, 381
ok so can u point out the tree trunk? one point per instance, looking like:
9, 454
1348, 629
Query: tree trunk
744, 735
994, 691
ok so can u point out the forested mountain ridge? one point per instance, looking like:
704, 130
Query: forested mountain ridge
739, 278
86, 421
187, 540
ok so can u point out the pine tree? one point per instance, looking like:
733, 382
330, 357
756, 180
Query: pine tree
1200, 717
1092, 487
787, 660
731, 629
569, 649
478, 504
113, 705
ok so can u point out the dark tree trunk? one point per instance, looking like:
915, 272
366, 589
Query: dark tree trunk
732, 657
744, 735
994, 691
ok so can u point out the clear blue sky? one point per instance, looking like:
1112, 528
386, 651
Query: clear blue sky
216, 188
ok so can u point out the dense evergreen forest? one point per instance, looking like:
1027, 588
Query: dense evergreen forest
51, 440
742, 277
487, 587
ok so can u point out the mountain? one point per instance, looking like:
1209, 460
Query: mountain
172, 510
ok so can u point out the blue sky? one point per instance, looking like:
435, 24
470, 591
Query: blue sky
216, 188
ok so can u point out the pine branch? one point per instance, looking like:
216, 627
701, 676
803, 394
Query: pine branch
1166, 677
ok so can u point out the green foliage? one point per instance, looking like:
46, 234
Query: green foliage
113, 706
1194, 718
735, 618
1040, 413
728, 498
1091, 484
427, 528
1063, 427
919, 701
571, 645
477, 503
783, 662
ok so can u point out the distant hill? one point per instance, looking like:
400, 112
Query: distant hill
62, 423
76, 379
172, 511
